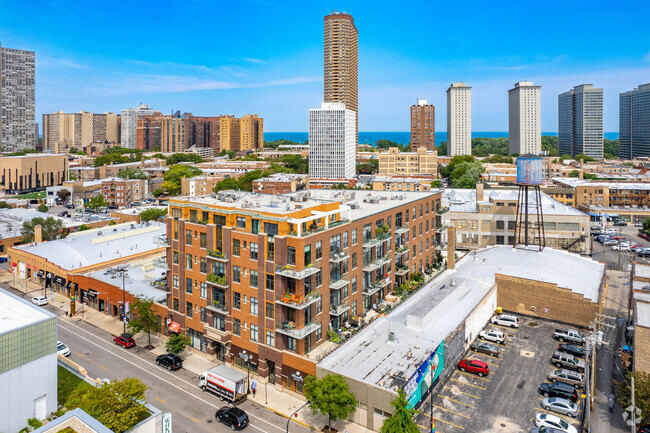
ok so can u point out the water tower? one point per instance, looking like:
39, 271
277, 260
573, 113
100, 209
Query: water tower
529, 229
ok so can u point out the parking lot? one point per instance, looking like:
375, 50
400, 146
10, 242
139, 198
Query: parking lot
507, 399
611, 258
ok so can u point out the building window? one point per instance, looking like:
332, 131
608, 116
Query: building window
270, 338
236, 274
354, 284
255, 226
354, 260
345, 240
253, 250
253, 305
204, 289
270, 249
319, 334
203, 240
236, 245
188, 237
319, 250
188, 261
307, 255
219, 322
236, 326
188, 285
354, 237
319, 279
254, 333
270, 282
175, 306
175, 281
253, 280
291, 255
188, 309
291, 344
204, 318
204, 265
241, 222
236, 301
175, 257
270, 310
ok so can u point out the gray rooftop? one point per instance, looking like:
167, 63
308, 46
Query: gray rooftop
17, 313
425, 319
91, 247
642, 314
11, 220
139, 278
573, 182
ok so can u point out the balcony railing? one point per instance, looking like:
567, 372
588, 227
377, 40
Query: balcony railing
402, 229
217, 280
377, 263
401, 270
295, 274
369, 243
402, 249
338, 284
441, 246
290, 329
220, 308
161, 240
370, 290
215, 334
338, 257
337, 310
217, 255
297, 302
441, 229
161, 263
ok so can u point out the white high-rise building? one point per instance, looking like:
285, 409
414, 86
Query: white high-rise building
130, 124
525, 120
17, 99
459, 119
332, 142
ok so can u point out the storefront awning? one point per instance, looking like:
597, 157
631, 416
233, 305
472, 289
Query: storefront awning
175, 327
40, 272
92, 293
59, 280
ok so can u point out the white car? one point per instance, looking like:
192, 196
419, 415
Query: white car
552, 421
622, 247
506, 320
39, 300
492, 335
560, 405
638, 224
62, 349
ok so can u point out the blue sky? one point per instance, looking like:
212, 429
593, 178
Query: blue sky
260, 56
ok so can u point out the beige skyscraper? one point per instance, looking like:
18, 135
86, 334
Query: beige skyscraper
459, 119
62, 131
341, 63
525, 124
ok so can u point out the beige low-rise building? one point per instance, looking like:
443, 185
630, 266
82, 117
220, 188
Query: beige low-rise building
389, 183
104, 171
399, 163
488, 217
32, 172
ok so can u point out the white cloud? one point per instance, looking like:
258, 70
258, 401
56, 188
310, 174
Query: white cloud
58, 63
253, 60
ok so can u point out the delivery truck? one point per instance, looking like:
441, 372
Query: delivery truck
228, 384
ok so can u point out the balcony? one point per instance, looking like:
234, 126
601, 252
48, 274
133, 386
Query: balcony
217, 255
401, 270
220, 307
337, 310
403, 229
216, 334
338, 284
161, 262
377, 263
402, 249
218, 281
161, 240
291, 329
297, 302
441, 246
338, 257
441, 229
369, 243
297, 275
371, 290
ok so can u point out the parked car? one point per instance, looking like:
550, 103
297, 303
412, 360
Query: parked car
62, 349
492, 335
39, 300
571, 335
560, 359
544, 430
620, 223
644, 236
560, 405
233, 417
573, 349
642, 252
553, 421
169, 361
487, 348
567, 376
610, 242
474, 366
3, 260
558, 389
124, 340
621, 247
600, 238
506, 320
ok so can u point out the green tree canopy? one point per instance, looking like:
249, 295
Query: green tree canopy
51, 228
153, 214
173, 176
144, 317
5, 205
117, 404
402, 419
466, 174
63, 195
387, 144
111, 158
176, 343
295, 163
641, 392
132, 173
82, 228
97, 202
370, 167
158, 192
244, 182
611, 148
499, 159
330, 396
281, 142
446, 171
183, 157
43, 208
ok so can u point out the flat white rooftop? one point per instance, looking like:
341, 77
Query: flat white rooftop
642, 314
573, 182
17, 313
138, 279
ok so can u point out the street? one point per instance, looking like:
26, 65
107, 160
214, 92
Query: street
176, 392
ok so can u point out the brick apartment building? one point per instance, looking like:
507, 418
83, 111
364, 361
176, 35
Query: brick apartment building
281, 183
104, 171
270, 275
396, 163
121, 192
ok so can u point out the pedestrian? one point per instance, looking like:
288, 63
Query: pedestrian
254, 387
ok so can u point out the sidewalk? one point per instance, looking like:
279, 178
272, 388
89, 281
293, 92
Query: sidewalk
281, 403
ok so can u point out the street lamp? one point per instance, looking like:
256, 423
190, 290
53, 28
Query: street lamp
121, 270
295, 414
245, 357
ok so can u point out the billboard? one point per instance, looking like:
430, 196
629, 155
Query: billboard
426, 374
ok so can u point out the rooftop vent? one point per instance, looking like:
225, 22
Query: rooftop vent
391, 336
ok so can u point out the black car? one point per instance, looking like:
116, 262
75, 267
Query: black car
558, 389
233, 417
487, 348
169, 361
573, 349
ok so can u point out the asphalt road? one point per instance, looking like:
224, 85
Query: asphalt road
176, 392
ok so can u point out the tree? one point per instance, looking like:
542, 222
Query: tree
152, 214
63, 195
330, 396
402, 419
117, 404
173, 176
176, 343
5, 205
611, 148
646, 225
641, 391
83, 228
43, 208
296, 163
184, 157
144, 318
158, 192
370, 167
446, 171
132, 173
97, 202
442, 149
51, 229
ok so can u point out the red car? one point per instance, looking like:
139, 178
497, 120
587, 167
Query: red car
124, 340
474, 366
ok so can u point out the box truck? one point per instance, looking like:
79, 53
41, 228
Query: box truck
228, 384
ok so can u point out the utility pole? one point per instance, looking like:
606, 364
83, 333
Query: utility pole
594, 338
633, 407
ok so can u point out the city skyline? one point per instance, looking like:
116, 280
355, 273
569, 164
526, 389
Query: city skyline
278, 73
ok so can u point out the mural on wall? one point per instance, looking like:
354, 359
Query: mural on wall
426, 375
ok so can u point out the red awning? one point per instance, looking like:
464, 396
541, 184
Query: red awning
175, 327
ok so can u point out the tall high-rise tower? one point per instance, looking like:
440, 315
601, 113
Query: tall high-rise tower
580, 121
17, 99
341, 63
525, 119
459, 119
423, 125
129, 126
634, 126
332, 153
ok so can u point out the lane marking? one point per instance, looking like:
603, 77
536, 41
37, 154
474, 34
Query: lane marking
452, 424
162, 401
455, 390
79, 354
456, 401
192, 418
474, 375
449, 410
484, 354
104, 367
465, 383
156, 374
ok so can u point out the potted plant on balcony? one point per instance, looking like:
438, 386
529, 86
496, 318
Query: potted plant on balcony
222, 280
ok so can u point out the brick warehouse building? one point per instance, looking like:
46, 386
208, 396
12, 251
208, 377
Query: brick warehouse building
269, 276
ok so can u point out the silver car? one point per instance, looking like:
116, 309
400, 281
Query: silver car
560, 405
567, 376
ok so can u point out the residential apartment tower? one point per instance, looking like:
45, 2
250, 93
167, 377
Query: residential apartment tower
130, 124
634, 126
459, 119
525, 124
332, 142
423, 125
580, 121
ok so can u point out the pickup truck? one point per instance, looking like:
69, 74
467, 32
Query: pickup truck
560, 359
569, 335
